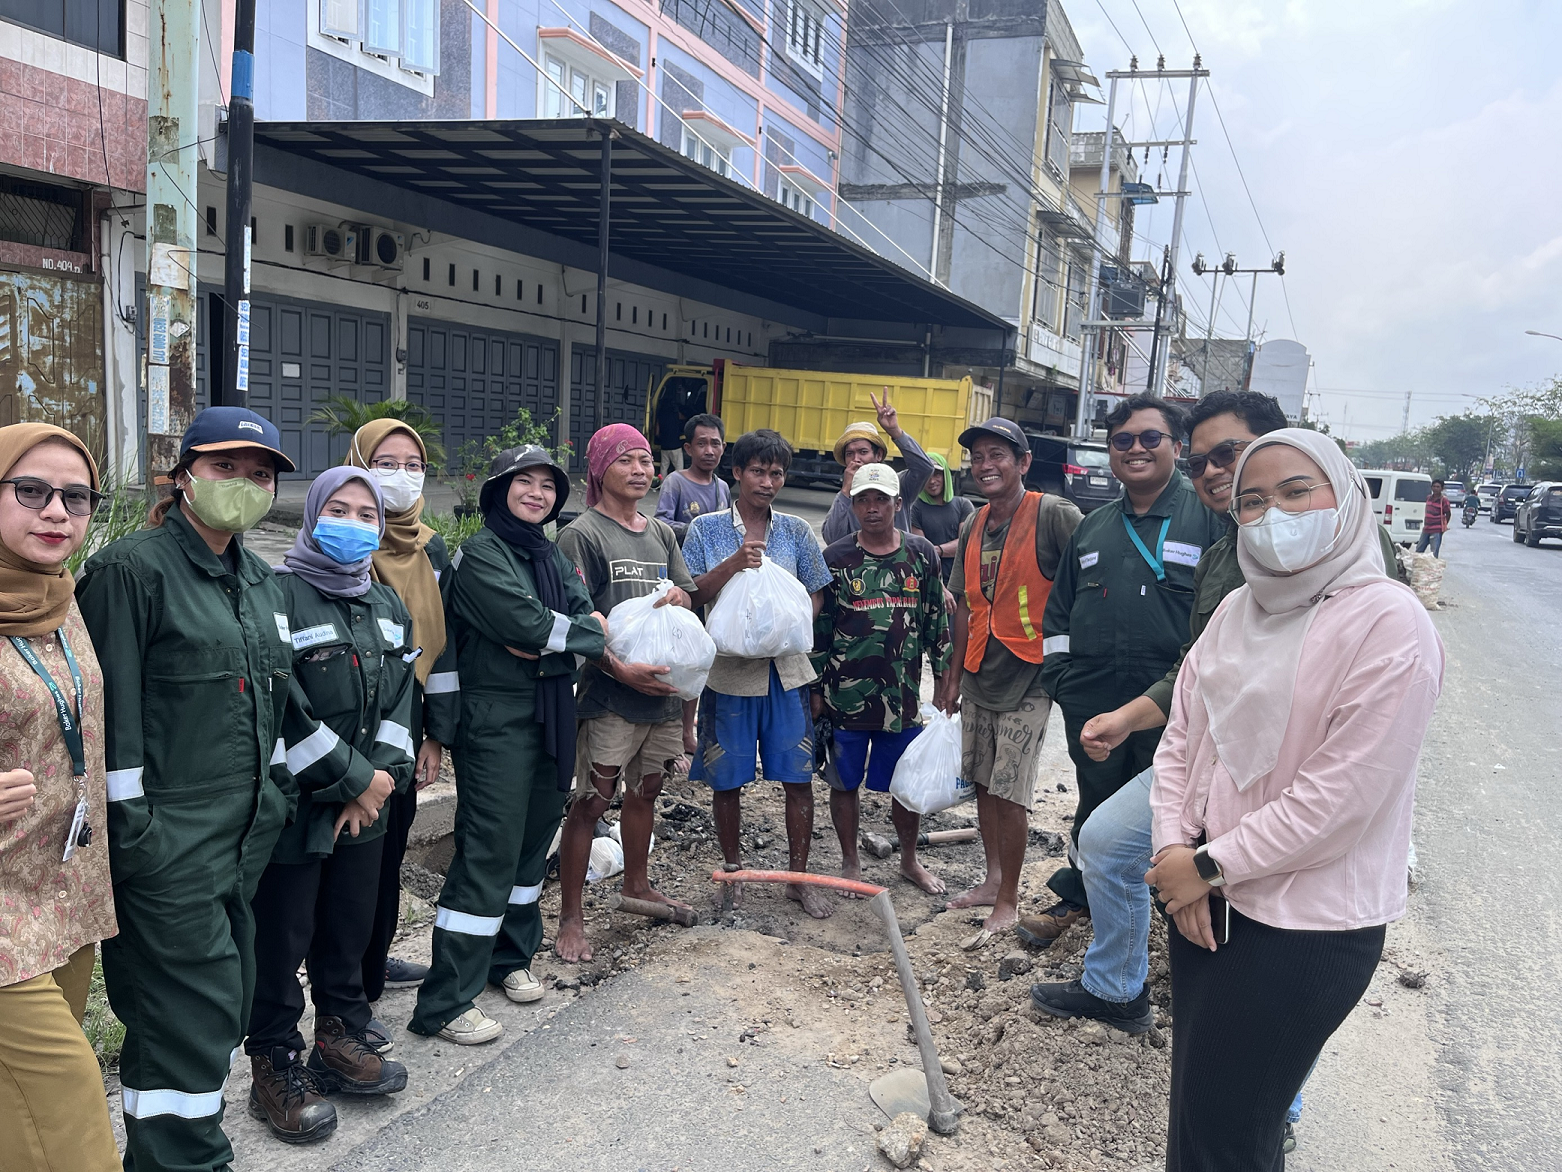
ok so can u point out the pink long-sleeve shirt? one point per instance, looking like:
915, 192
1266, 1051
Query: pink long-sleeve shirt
1321, 842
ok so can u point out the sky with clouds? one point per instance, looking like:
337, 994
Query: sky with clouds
1407, 157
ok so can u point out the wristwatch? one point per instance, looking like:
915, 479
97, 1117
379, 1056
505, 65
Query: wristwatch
1209, 869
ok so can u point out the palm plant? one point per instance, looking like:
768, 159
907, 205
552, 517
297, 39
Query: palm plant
343, 415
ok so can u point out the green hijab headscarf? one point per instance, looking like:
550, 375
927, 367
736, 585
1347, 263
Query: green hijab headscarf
949, 483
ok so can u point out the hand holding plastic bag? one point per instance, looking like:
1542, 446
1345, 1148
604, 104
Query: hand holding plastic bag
639, 631
927, 777
762, 614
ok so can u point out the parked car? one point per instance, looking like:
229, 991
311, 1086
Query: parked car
1455, 491
1080, 471
1506, 501
1539, 515
1399, 501
1488, 493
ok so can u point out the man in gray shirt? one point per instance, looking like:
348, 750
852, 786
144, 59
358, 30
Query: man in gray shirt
860, 444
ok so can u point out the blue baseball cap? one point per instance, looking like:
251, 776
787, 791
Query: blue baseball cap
218, 428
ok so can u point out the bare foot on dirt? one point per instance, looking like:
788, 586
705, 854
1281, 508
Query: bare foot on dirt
982, 895
916, 873
812, 899
651, 895
572, 947
1002, 919
853, 872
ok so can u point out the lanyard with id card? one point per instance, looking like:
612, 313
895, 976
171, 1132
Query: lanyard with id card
80, 833
1151, 560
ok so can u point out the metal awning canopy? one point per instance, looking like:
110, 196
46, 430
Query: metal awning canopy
533, 186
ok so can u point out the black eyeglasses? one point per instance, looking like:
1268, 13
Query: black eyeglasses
391, 464
35, 494
1222, 455
1149, 440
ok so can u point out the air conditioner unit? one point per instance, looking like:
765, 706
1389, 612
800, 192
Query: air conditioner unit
332, 241
383, 247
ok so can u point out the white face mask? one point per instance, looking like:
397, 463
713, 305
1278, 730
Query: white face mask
1289, 542
400, 488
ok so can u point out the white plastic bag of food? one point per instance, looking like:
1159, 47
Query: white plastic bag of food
639, 631
927, 776
762, 614
606, 859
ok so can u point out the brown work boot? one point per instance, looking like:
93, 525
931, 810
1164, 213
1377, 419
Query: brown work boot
1041, 930
345, 1063
283, 1094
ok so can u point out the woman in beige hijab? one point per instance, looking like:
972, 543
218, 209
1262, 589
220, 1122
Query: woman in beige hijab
1281, 804
56, 897
410, 560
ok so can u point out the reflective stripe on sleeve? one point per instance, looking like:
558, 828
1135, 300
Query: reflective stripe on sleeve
146, 1104
124, 784
559, 633
1055, 645
313, 747
442, 681
520, 896
278, 754
395, 735
454, 921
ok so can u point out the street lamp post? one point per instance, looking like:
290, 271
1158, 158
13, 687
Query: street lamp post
1540, 334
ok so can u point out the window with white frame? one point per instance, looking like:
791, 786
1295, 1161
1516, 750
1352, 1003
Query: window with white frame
705, 149
593, 95
796, 198
384, 36
1049, 278
805, 36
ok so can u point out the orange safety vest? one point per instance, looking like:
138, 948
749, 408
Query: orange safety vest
1019, 595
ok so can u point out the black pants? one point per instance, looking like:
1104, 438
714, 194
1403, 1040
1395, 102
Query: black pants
1097, 781
399, 811
320, 913
1251, 1018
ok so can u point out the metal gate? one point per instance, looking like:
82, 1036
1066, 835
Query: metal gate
474, 381
630, 376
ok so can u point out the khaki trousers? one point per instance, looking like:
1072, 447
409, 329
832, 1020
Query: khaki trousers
53, 1112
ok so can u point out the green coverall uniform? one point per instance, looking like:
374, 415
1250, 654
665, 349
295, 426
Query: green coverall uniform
196, 662
508, 804
353, 685
1112, 627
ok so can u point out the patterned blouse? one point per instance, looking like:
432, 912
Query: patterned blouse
49, 909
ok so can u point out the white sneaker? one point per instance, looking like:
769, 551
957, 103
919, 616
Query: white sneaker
521, 986
472, 1028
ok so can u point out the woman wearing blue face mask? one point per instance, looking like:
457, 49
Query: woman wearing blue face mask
353, 652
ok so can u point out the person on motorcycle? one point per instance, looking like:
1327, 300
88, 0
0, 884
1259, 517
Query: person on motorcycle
1472, 509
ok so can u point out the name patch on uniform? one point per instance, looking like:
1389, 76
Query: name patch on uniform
1086, 560
1182, 553
313, 636
282, 628
393, 632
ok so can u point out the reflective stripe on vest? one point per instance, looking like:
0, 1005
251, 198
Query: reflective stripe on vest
1020, 590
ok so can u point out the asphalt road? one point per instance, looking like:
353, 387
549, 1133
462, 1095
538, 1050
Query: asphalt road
1466, 1073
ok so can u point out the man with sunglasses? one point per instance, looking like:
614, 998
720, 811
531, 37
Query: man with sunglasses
1118, 614
1114, 843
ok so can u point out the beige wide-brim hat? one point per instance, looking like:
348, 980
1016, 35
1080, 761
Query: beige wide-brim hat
860, 430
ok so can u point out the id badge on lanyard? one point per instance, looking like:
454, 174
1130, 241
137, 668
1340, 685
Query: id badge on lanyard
80, 834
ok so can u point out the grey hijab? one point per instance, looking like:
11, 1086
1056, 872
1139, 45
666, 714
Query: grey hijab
306, 558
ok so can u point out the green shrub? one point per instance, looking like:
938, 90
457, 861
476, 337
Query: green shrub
343, 415
452, 528
121, 513
469, 464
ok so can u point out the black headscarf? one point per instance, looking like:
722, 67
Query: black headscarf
555, 693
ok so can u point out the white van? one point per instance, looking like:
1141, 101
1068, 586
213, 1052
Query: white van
1399, 501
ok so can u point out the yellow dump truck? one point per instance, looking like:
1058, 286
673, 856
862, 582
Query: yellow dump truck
812, 407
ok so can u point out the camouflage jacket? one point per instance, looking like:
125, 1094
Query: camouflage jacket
880, 615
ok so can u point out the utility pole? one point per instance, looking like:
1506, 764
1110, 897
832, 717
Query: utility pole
1084, 402
173, 109
943, 138
1404, 423
1227, 266
241, 170
1169, 286
604, 222
1155, 338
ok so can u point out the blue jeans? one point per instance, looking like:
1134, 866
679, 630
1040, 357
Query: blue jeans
1435, 540
1114, 854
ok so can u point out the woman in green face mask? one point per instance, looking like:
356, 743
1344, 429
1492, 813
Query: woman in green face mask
193, 636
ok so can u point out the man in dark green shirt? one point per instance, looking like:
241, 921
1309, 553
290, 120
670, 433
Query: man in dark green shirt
1118, 613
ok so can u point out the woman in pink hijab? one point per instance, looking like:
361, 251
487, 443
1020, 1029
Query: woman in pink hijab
1282, 797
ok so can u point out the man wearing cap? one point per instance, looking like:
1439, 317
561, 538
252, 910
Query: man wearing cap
860, 444
1008, 555
631, 719
1118, 616
883, 609
193, 637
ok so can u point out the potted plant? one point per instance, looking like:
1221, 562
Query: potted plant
344, 415
468, 466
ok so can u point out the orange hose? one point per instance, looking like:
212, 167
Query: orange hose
808, 877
